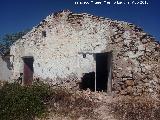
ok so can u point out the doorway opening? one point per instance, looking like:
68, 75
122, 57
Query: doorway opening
28, 70
103, 71
100, 80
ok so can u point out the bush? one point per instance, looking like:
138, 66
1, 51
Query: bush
23, 102
39, 100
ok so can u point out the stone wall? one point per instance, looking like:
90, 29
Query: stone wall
58, 41
136, 64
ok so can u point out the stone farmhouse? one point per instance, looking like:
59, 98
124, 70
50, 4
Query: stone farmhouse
85, 51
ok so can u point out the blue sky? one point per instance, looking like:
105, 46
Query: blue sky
18, 15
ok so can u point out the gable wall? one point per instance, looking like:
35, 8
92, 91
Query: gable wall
135, 54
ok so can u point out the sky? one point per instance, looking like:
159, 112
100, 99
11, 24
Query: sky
18, 15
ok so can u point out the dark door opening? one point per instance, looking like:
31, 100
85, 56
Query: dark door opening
100, 80
103, 71
88, 81
28, 70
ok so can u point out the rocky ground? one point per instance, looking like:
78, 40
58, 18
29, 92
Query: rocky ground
67, 104
87, 105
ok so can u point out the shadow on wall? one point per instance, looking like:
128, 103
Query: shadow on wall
7, 60
5, 68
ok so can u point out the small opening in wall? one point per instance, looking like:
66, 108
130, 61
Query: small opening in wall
44, 34
88, 81
84, 55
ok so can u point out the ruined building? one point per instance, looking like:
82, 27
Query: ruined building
86, 51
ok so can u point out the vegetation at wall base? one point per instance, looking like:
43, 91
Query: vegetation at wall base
39, 100
42, 102
22, 102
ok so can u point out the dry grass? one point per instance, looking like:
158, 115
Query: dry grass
65, 104
135, 108
71, 104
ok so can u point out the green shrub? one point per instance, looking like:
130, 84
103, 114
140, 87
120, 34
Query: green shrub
23, 102
39, 100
